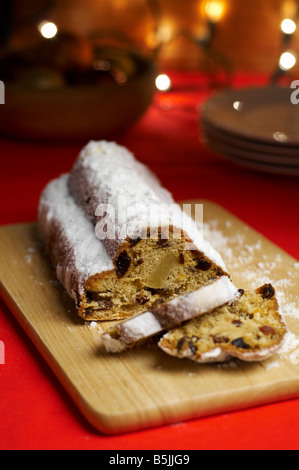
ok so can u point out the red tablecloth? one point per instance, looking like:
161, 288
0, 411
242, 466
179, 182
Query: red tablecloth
35, 411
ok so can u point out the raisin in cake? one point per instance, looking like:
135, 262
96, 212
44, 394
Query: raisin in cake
250, 328
116, 256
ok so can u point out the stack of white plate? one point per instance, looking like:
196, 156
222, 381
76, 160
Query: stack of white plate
257, 128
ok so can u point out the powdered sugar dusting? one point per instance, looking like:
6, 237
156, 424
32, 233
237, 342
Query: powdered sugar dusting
78, 253
105, 173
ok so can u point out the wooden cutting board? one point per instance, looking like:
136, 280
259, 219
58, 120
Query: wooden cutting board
145, 387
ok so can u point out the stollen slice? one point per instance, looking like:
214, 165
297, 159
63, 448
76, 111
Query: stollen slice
250, 328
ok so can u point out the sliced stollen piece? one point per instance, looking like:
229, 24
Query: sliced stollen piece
168, 315
118, 241
250, 328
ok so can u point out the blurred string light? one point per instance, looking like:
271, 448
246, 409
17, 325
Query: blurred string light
287, 61
215, 10
48, 29
288, 26
163, 82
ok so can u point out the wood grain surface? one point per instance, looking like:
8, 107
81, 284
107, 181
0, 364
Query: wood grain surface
144, 387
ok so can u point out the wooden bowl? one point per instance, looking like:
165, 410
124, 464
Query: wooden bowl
76, 113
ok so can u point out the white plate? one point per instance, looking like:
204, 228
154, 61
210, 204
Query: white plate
246, 153
253, 146
283, 170
259, 114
